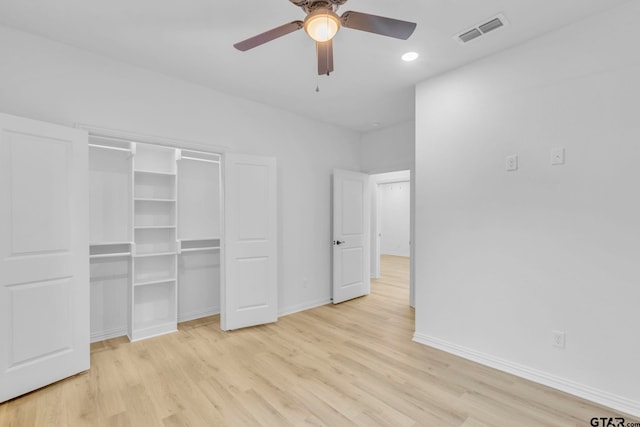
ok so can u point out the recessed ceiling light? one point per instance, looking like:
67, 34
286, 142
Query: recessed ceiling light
410, 56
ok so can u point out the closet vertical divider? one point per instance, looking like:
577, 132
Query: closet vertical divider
132, 189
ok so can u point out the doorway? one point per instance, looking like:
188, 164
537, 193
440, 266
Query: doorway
392, 223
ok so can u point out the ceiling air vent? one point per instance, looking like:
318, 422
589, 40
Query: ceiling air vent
491, 25
470, 35
481, 29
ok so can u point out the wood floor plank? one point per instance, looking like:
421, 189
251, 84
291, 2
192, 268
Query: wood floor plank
351, 364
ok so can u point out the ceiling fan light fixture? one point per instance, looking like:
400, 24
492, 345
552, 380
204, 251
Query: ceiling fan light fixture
322, 25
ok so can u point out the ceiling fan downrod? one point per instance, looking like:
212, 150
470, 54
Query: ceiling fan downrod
310, 5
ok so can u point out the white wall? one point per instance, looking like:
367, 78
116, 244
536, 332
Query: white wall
505, 258
386, 150
49, 81
389, 149
394, 201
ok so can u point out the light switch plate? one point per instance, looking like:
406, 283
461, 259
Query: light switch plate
512, 163
557, 156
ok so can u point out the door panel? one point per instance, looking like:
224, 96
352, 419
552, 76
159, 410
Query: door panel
252, 196
352, 264
352, 190
33, 305
31, 196
44, 278
250, 292
250, 289
350, 235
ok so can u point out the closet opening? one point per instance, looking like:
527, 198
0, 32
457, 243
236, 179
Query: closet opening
155, 236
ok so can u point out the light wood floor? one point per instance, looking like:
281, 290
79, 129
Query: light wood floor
350, 364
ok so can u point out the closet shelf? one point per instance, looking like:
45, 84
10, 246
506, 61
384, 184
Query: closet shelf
200, 239
114, 255
150, 199
206, 248
149, 172
152, 328
154, 282
145, 255
152, 227
109, 250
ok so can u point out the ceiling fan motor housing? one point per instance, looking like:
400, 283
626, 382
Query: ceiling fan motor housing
310, 5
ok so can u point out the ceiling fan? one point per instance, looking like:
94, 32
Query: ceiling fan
322, 23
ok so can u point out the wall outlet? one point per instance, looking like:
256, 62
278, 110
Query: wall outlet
558, 339
557, 156
512, 163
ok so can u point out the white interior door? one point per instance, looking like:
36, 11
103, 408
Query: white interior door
44, 252
350, 235
250, 287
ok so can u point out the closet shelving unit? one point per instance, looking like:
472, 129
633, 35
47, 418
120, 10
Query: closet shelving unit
154, 290
155, 251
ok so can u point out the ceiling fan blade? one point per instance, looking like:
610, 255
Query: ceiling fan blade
267, 36
378, 24
325, 57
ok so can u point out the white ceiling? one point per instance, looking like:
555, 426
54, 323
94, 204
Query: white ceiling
192, 40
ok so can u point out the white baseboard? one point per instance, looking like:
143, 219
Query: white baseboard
610, 400
193, 315
304, 306
107, 335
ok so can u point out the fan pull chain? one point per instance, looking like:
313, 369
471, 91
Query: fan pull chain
317, 84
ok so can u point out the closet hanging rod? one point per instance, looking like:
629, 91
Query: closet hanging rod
200, 160
201, 239
106, 147
109, 243
111, 138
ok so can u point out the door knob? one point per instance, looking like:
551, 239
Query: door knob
338, 242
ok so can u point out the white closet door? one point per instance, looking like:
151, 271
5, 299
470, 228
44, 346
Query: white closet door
44, 248
351, 235
250, 288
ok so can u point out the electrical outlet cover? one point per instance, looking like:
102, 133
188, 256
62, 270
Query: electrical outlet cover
559, 339
557, 156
